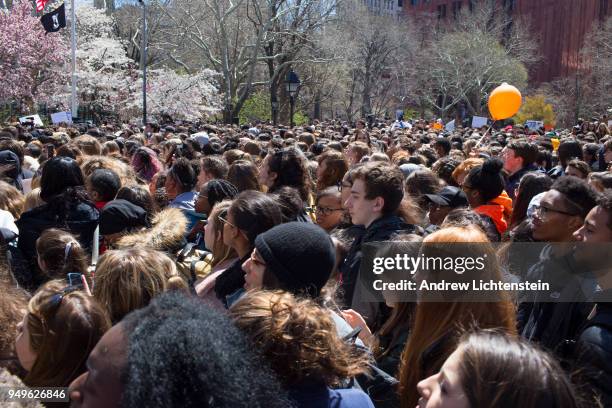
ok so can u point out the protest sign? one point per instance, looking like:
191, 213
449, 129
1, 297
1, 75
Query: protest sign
478, 122
534, 124
61, 117
31, 118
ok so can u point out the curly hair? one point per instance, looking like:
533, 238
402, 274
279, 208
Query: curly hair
217, 366
123, 170
297, 337
382, 180
335, 168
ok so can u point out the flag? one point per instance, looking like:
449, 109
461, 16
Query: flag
54, 20
40, 5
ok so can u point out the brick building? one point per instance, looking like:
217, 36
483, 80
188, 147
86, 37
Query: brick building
560, 26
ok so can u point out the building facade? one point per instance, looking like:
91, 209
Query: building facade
382, 7
560, 26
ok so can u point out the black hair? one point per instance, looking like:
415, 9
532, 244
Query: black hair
106, 183
140, 196
544, 157
218, 367
59, 174
444, 143
444, 168
218, 190
605, 202
255, 212
569, 149
525, 150
487, 179
578, 192
531, 184
290, 168
183, 173
290, 203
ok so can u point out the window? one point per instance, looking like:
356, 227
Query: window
471, 5
414, 2
603, 10
441, 11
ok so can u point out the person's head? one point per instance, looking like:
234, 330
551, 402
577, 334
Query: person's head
250, 214
562, 209
443, 202
444, 168
518, 154
244, 175
176, 334
331, 169
484, 183
597, 226
138, 195
58, 175
377, 191
145, 163
10, 169
329, 209
213, 233
212, 192
111, 148
568, 150
290, 203
181, 178
345, 186
492, 369
355, 152
577, 168
442, 146
286, 167
589, 152
600, 181
89, 145
62, 326
128, 279
11, 199
463, 169
119, 217
212, 167
435, 319
296, 256
297, 338
60, 253
103, 185
420, 182
530, 185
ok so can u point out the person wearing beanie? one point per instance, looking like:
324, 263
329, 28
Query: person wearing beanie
119, 217
297, 257
11, 166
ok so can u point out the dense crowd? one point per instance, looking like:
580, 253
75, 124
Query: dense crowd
191, 264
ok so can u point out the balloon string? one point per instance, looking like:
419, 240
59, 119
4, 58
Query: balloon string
485, 133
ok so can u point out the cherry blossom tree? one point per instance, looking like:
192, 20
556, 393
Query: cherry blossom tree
31, 62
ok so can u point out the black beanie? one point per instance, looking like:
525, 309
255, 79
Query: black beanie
121, 215
300, 255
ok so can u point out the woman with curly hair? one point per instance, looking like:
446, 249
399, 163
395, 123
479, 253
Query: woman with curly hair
286, 167
299, 341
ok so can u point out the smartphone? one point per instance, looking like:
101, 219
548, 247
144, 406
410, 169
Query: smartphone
75, 279
50, 151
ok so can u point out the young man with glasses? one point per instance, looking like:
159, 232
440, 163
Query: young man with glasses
561, 212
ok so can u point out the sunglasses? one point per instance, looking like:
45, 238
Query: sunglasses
225, 221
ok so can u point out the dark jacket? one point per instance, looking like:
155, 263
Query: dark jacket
81, 220
319, 396
545, 320
514, 180
380, 230
594, 353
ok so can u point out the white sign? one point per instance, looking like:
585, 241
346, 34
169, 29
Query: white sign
35, 118
610, 124
478, 122
61, 117
534, 124
450, 126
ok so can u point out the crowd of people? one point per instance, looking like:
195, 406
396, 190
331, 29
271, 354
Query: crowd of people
191, 264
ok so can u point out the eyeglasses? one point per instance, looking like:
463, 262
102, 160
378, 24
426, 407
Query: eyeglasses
326, 210
256, 261
225, 221
198, 195
543, 210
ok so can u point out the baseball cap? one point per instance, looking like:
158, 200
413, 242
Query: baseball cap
449, 196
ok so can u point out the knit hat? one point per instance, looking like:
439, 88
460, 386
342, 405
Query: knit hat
300, 255
9, 163
121, 215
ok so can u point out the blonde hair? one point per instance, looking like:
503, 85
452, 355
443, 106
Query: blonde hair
298, 338
127, 279
11, 199
33, 200
220, 251
124, 171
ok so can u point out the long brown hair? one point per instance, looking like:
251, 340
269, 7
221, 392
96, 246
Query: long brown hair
61, 253
443, 321
64, 326
220, 251
243, 175
11, 199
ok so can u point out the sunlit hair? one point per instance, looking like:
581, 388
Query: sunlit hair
11, 199
462, 170
88, 145
335, 168
33, 200
220, 251
497, 370
64, 326
298, 338
123, 170
61, 253
128, 279
443, 321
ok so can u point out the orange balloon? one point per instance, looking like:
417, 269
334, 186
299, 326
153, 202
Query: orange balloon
504, 102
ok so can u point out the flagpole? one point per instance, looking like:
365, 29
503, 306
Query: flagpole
73, 96
143, 63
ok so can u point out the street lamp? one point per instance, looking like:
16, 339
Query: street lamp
293, 84
274, 111
143, 63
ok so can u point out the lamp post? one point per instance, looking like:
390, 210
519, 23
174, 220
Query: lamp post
293, 84
274, 112
143, 62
